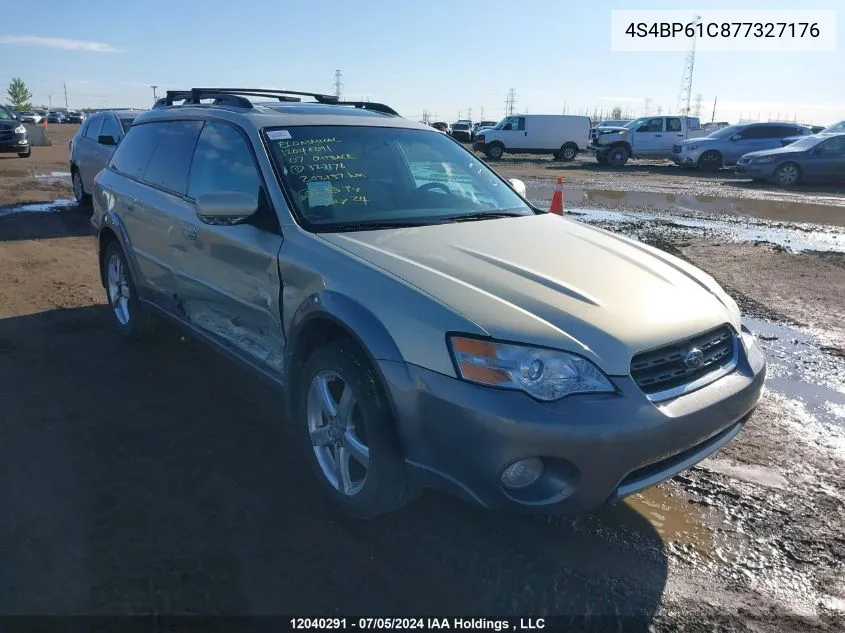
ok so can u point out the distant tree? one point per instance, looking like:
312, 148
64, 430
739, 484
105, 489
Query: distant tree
616, 113
19, 95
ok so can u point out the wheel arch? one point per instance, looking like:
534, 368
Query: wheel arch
112, 230
329, 316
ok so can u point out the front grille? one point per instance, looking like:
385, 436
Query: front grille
667, 367
6, 136
676, 149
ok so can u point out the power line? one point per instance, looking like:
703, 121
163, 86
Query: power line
510, 102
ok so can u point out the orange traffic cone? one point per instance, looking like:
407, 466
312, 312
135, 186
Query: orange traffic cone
557, 199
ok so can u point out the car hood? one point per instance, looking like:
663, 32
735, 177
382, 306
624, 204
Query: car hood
610, 128
9, 125
701, 140
786, 150
550, 281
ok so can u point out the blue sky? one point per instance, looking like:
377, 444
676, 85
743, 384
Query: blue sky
445, 57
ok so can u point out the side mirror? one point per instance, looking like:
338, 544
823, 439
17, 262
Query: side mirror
106, 139
225, 207
518, 186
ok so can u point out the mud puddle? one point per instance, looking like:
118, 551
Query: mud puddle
37, 207
53, 177
803, 370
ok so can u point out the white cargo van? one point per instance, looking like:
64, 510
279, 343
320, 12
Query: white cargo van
561, 135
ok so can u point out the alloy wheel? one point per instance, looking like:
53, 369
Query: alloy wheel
118, 289
335, 427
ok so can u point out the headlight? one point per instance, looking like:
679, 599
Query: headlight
690, 147
20, 130
747, 339
765, 159
479, 137
544, 374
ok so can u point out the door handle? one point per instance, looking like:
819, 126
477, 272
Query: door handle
680, 135
526, 134
658, 135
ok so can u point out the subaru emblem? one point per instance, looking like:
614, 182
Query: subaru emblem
693, 358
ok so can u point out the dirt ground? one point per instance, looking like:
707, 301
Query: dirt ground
160, 478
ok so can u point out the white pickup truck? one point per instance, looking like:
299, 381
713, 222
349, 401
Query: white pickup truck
646, 137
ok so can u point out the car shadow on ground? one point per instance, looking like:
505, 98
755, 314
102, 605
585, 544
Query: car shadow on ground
157, 477
67, 221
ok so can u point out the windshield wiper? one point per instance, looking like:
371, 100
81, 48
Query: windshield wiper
490, 215
370, 226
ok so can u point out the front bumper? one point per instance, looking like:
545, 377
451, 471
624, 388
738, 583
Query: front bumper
18, 143
686, 158
756, 170
596, 448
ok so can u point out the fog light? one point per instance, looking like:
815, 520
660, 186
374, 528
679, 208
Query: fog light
522, 474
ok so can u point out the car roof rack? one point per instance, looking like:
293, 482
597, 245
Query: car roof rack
237, 97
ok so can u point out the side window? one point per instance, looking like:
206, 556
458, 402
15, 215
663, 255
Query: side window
519, 123
109, 128
222, 162
170, 161
133, 153
834, 146
673, 125
652, 125
92, 129
755, 132
693, 123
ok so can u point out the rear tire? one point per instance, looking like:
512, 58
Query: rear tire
348, 433
82, 198
130, 316
495, 151
568, 152
618, 156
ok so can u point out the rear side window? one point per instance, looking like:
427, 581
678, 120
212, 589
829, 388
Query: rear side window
133, 153
223, 162
110, 128
673, 125
170, 161
92, 130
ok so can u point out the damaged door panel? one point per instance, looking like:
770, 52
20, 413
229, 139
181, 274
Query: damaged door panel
229, 286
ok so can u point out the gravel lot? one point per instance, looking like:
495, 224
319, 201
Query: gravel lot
160, 478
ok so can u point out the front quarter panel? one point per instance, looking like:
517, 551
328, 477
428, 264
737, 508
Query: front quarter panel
393, 320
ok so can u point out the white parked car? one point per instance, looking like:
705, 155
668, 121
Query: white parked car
30, 117
561, 135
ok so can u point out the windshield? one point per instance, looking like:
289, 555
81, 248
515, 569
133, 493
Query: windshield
727, 132
340, 177
460, 126
836, 127
636, 122
5, 115
805, 142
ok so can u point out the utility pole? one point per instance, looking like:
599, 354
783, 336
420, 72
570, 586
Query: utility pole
685, 90
469, 113
50, 99
154, 93
65, 87
647, 106
713, 116
338, 83
482, 113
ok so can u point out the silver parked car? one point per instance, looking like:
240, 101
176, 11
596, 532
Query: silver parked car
426, 325
92, 146
725, 147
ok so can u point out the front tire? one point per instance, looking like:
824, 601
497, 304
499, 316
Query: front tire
130, 316
710, 160
349, 434
601, 158
495, 151
787, 175
25, 154
618, 156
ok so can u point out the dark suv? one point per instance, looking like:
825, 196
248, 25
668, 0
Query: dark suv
13, 138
